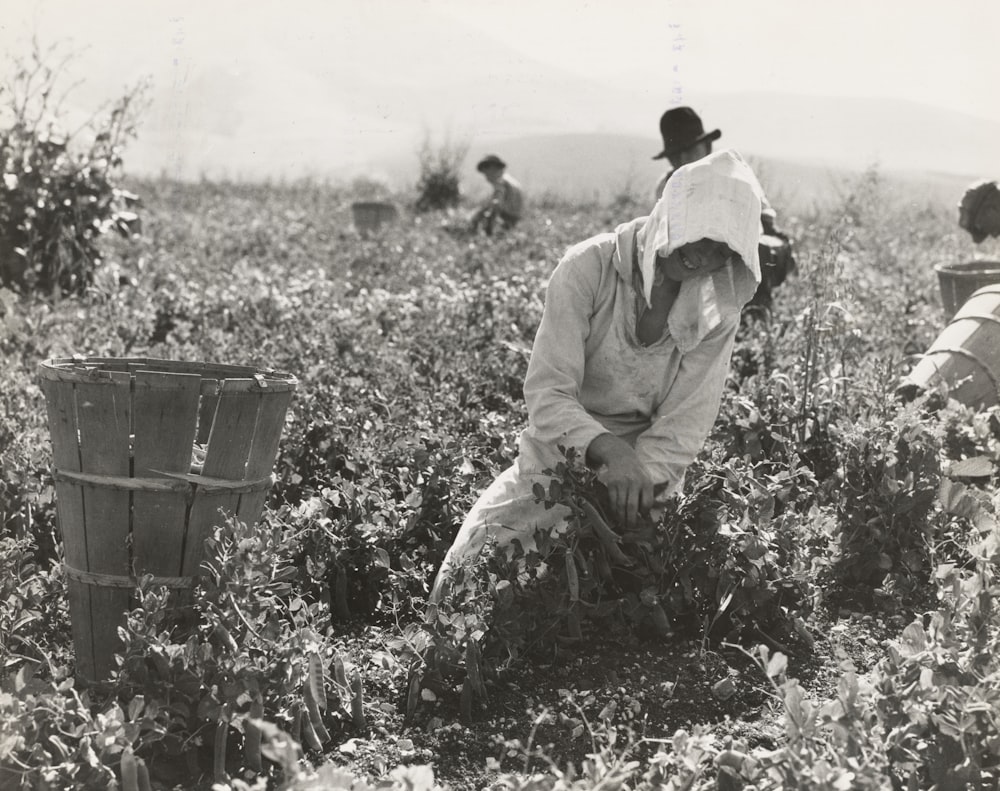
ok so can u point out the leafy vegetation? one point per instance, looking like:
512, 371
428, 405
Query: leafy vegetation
816, 610
439, 185
61, 186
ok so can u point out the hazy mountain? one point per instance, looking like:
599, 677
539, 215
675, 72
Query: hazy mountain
601, 166
337, 108
215, 124
344, 93
857, 132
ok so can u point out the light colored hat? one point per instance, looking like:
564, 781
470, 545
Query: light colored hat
717, 197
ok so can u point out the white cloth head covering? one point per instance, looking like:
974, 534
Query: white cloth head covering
717, 197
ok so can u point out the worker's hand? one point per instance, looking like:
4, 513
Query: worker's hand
630, 489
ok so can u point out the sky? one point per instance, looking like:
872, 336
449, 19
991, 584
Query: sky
352, 78
922, 50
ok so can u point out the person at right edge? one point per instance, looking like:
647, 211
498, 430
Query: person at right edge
979, 210
684, 141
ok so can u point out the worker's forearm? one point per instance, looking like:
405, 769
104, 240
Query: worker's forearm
604, 449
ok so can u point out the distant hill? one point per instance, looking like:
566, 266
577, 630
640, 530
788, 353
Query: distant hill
330, 102
601, 166
855, 131
347, 112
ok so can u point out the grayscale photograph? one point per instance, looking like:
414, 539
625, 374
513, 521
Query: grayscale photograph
453, 395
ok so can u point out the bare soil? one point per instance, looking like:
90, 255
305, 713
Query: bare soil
645, 687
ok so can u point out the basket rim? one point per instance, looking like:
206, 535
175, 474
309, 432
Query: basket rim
82, 368
977, 267
367, 204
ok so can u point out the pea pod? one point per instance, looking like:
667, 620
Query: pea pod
340, 594
144, 782
315, 680
252, 738
473, 661
608, 538
226, 638
413, 695
660, 620
340, 678
465, 702
221, 740
572, 578
130, 771
358, 702
573, 625
296, 728
315, 718
603, 567
309, 737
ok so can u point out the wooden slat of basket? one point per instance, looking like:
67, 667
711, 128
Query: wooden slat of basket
60, 402
229, 443
966, 355
104, 416
981, 346
955, 369
166, 413
206, 412
267, 435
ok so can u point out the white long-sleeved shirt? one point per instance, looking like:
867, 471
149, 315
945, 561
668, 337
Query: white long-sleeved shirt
508, 197
589, 374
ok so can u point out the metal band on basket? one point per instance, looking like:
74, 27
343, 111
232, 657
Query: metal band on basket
174, 482
980, 316
970, 356
120, 581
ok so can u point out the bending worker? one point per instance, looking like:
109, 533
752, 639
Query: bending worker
631, 356
505, 205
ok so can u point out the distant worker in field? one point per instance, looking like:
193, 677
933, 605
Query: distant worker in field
684, 141
505, 206
630, 359
979, 210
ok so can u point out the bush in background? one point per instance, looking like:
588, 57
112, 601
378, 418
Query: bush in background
59, 193
438, 187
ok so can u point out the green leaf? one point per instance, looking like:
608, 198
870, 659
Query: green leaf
777, 665
977, 467
913, 640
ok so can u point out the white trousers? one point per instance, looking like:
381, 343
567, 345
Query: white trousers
506, 511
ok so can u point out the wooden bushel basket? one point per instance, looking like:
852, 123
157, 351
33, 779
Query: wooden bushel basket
370, 216
146, 453
958, 282
966, 355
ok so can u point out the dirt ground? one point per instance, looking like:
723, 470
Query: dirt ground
645, 688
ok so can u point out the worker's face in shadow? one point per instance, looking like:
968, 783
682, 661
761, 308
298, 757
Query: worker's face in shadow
693, 154
696, 259
492, 174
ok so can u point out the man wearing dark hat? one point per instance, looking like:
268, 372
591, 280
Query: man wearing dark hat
506, 205
684, 141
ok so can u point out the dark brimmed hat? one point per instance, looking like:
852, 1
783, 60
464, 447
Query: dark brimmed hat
682, 128
490, 161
